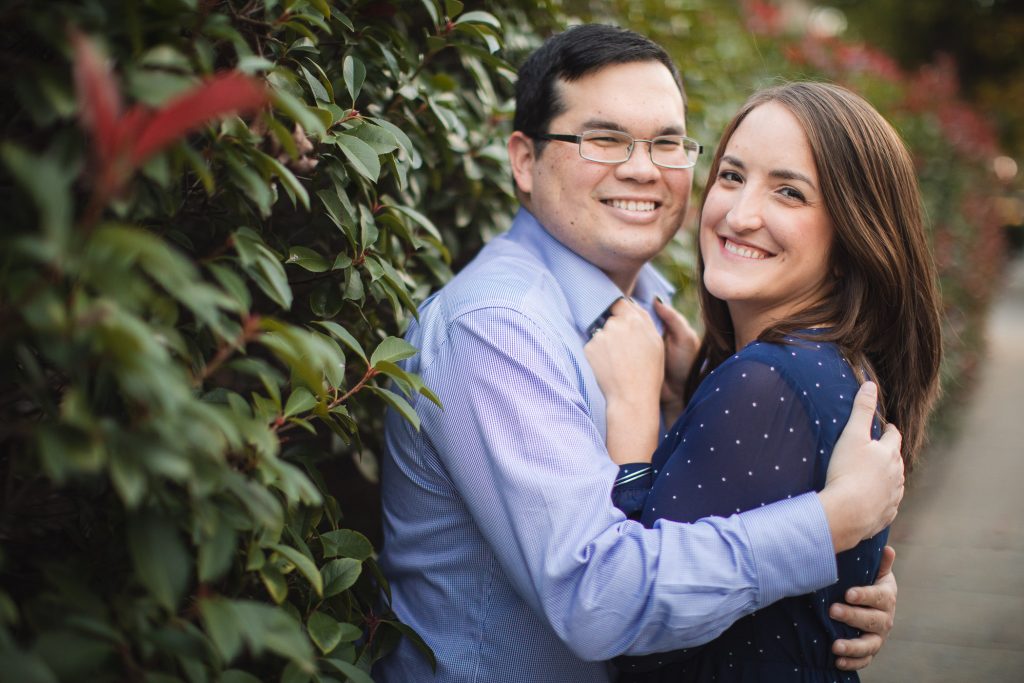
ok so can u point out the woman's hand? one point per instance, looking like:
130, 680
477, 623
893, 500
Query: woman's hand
681, 346
628, 359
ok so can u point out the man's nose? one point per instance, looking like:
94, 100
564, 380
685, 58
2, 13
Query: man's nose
639, 166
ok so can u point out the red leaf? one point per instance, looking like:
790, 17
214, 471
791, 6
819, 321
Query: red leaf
226, 93
98, 99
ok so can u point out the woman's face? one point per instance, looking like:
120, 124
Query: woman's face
765, 235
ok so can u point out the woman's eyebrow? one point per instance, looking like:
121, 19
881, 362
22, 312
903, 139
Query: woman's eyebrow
788, 174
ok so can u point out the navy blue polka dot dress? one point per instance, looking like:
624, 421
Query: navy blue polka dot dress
760, 428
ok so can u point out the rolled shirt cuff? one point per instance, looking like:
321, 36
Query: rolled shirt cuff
791, 545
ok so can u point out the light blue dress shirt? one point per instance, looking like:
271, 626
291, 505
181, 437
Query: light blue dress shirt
501, 543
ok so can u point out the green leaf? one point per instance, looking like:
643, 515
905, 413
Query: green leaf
216, 550
379, 138
305, 566
326, 301
392, 349
263, 266
324, 631
232, 623
272, 166
368, 231
128, 476
282, 135
275, 582
261, 504
354, 73
420, 219
237, 676
48, 182
160, 558
344, 336
200, 167
480, 17
308, 259
399, 404
354, 286
252, 64
354, 673
362, 157
322, 7
415, 160
270, 628
221, 624
340, 575
317, 88
301, 401
299, 112
346, 543
453, 7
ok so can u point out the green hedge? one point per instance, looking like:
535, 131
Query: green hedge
192, 348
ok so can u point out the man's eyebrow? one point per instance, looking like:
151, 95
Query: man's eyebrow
781, 173
604, 124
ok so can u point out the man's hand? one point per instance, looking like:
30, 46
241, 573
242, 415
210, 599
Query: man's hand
864, 483
872, 609
681, 346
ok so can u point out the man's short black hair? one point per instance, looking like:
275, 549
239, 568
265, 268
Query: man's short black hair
570, 55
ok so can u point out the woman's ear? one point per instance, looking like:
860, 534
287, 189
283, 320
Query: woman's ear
521, 155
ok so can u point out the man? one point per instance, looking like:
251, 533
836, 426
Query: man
502, 546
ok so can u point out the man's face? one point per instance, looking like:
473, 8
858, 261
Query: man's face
615, 216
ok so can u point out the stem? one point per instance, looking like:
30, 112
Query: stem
279, 426
250, 330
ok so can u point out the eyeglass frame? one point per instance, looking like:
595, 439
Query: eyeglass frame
578, 139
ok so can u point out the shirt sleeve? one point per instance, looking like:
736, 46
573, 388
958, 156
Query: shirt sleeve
517, 441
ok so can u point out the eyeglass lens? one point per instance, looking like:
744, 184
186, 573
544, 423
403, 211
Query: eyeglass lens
614, 147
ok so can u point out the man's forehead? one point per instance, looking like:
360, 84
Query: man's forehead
614, 101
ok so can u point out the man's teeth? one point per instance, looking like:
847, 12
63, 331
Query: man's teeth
745, 252
631, 205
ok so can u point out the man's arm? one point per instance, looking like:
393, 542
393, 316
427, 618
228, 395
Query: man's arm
517, 441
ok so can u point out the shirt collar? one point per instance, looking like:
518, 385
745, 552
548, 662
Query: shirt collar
588, 291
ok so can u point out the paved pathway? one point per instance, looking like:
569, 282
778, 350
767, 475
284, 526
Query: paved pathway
959, 538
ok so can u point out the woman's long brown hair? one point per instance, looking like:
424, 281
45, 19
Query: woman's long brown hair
883, 309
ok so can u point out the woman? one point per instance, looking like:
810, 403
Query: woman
815, 277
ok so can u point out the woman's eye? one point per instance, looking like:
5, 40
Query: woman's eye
730, 176
792, 193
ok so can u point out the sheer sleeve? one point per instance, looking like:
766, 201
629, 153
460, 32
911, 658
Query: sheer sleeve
747, 440
629, 492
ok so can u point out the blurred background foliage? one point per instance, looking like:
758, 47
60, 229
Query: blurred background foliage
195, 359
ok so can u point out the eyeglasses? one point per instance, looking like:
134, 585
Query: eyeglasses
615, 147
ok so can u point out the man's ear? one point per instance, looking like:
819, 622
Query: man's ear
521, 154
